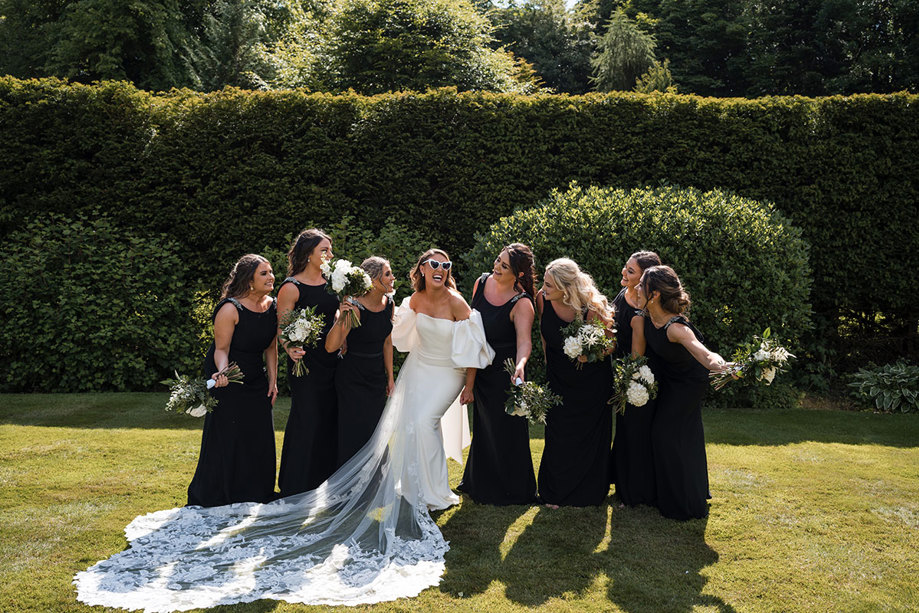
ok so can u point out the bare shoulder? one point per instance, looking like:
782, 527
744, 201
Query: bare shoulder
523, 306
458, 305
680, 333
227, 313
288, 292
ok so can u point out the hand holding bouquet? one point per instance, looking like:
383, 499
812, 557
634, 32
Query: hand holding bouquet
763, 359
527, 399
301, 328
634, 383
587, 340
189, 396
346, 280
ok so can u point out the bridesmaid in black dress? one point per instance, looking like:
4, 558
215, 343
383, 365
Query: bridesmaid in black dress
631, 462
237, 459
499, 469
364, 376
681, 364
575, 463
309, 454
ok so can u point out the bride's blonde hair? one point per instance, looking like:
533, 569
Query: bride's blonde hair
579, 290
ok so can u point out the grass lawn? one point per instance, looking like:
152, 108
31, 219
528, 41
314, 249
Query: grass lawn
812, 511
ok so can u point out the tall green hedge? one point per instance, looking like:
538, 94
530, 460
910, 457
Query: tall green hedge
234, 171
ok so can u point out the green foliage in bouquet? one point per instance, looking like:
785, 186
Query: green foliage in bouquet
744, 264
889, 388
529, 399
87, 305
633, 383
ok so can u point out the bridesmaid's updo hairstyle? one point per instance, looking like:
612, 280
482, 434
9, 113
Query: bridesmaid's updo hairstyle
237, 284
580, 291
300, 251
417, 277
521, 259
374, 265
664, 280
646, 259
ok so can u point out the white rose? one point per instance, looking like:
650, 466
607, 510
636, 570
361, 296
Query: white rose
325, 267
646, 374
769, 375
297, 334
198, 411
572, 347
761, 355
637, 394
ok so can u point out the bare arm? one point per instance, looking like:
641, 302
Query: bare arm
638, 335
340, 329
523, 314
678, 333
287, 300
271, 365
224, 326
387, 363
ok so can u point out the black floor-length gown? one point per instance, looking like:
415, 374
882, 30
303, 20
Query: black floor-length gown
574, 470
360, 381
499, 469
631, 460
237, 459
677, 435
309, 455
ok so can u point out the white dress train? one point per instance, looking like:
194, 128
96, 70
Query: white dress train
363, 536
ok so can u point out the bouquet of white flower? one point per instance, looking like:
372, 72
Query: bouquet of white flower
634, 383
763, 358
588, 340
346, 280
527, 399
301, 328
189, 396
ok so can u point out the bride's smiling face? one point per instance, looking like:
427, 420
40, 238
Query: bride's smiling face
435, 278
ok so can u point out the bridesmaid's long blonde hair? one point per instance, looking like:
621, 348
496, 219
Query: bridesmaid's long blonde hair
580, 291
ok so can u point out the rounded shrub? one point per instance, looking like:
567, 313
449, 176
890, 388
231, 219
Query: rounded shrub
87, 305
742, 262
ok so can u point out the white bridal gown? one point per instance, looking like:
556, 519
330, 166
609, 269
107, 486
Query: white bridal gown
363, 536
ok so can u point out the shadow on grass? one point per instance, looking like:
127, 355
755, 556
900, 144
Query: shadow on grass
105, 411
722, 426
635, 558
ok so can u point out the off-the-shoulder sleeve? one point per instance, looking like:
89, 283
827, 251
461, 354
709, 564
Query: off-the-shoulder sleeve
404, 335
470, 349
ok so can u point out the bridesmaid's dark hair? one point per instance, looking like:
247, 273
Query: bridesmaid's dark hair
664, 280
521, 259
300, 251
417, 277
237, 284
373, 266
646, 259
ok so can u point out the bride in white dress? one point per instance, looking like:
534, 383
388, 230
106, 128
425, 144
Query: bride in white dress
363, 536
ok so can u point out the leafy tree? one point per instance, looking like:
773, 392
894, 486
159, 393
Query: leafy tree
376, 46
25, 32
624, 53
139, 41
257, 44
657, 79
545, 33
